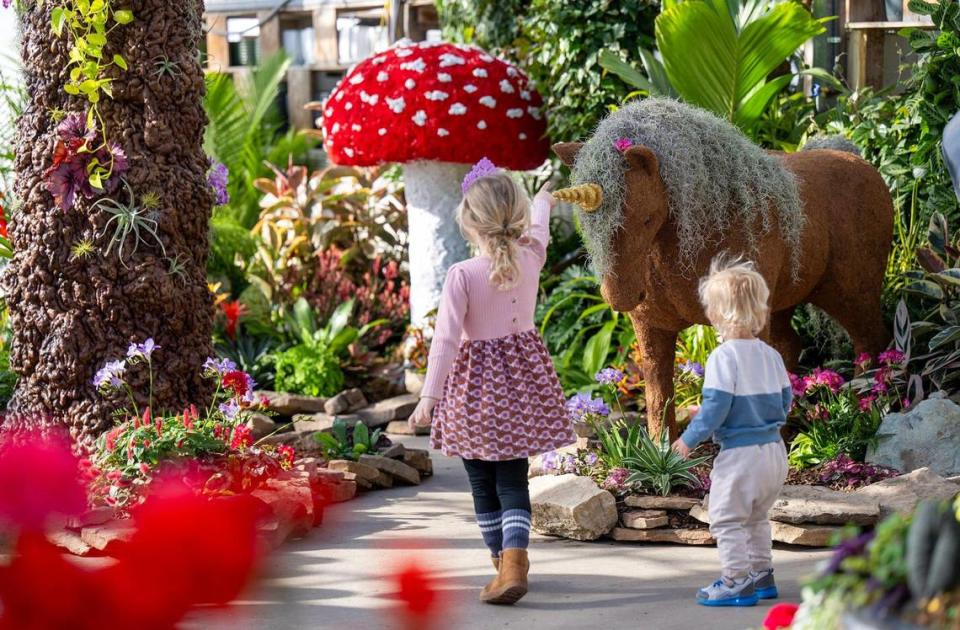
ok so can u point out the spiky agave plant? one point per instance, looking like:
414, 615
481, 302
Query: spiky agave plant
657, 467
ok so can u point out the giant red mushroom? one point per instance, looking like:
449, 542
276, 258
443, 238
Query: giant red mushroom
437, 108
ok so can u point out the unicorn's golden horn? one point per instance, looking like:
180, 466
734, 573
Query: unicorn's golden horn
587, 196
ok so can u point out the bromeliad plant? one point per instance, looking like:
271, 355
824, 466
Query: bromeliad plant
216, 441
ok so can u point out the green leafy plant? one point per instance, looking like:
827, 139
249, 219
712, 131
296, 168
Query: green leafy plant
657, 468
339, 444
618, 441
738, 48
311, 370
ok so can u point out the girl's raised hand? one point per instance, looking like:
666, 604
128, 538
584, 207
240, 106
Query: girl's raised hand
423, 414
545, 193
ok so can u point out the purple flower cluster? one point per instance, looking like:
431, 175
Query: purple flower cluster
692, 367
142, 350
609, 376
616, 480
217, 178
819, 378
622, 144
219, 367
110, 376
76, 156
853, 474
580, 406
891, 357
230, 409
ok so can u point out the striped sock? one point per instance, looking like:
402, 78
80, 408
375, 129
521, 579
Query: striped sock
489, 523
516, 529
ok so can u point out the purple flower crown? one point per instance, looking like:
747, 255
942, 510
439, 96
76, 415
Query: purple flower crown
481, 169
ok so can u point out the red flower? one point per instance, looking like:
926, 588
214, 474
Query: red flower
780, 616
286, 455
112, 436
144, 469
3, 223
238, 382
242, 437
232, 311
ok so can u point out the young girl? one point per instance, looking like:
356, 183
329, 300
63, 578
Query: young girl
491, 387
746, 398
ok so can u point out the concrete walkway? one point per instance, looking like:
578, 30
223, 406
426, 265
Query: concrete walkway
335, 578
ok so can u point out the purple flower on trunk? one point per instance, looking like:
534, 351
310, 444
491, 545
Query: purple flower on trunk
217, 178
109, 376
142, 350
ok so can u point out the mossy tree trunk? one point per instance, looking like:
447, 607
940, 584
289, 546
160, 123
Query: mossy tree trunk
72, 313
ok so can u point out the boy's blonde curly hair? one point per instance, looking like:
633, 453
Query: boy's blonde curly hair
735, 296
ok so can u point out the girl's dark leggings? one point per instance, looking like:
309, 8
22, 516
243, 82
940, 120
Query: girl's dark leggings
498, 486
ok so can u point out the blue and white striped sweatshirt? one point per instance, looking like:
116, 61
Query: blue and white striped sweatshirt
746, 396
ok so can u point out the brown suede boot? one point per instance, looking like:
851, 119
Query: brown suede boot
511, 581
496, 562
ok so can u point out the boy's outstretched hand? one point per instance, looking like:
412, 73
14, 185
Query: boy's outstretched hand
681, 449
423, 414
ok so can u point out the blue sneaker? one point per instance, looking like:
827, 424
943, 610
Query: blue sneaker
729, 592
764, 585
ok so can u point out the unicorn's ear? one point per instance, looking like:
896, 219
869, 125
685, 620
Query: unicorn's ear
641, 158
567, 151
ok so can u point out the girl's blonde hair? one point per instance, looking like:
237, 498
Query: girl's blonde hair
735, 296
494, 214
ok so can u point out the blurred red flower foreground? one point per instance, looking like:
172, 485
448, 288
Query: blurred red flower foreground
186, 548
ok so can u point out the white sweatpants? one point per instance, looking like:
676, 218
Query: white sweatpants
744, 485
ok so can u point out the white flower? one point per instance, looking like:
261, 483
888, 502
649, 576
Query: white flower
482, 124
489, 101
514, 112
506, 87
356, 79
420, 118
443, 77
356, 127
442, 132
417, 65
525, 95
522, 136
409, 84
457, 109
534, 111
382, 76
479, 72
396, 105
436, 95
404, 52
382, 131
469, 88
348, 151
370, 99
449, 59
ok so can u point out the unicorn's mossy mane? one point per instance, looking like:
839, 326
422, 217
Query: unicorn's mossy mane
715, 178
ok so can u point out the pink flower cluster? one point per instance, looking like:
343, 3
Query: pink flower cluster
816, 379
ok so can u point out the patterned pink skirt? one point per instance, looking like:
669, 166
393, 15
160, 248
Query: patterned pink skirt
502, 401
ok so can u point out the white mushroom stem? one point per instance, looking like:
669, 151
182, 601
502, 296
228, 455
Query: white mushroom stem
433, 193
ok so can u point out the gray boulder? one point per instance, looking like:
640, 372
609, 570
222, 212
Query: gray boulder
927, 436
903, 493
572, 507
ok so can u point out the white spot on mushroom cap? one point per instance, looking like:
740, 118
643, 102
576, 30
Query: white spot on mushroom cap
370, 99
420, 118
348, 106
525, 95
417, 65
489, 101
457, 109
403, 52
442, 132
506, 87
356, 127
335, 128
436, 95
382, 131
443, 77
328, 111
339, 95
382, 76
514, 112
482, 124
348, 151
396, 105
534, 111
378, 60
511, 71
409, 84
449, 59
356, 79
469, 88
479, 72
486, 58
522, 136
